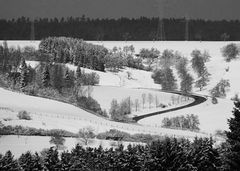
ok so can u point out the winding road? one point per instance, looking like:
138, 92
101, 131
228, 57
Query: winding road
198, 99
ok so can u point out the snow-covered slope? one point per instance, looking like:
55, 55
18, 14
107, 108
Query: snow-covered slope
211, 116
216, 66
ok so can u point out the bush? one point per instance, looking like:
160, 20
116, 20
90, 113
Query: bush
214, 100
231, 51
24, 115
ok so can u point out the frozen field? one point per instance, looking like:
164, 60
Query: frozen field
22, 144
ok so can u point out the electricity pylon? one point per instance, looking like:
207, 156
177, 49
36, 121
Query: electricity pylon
32, 33
160, 27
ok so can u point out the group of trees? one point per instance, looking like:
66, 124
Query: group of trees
49, 78
163, 74
117, 58
119, 29
190, 122
186, 78
150, 56
168, 154
119, 112
74, 51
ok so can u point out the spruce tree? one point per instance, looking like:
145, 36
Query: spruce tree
52, 162
29, 162
24, 73
67, 79
46, 77
7, 162
78, 72
233, 138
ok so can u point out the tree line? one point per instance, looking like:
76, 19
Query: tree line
169, 154
141, 28
190, 122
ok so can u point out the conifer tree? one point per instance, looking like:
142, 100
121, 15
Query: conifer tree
7, 162
233, 138
46, 77
78, 72
24, 73
29, 162
67, 79
52, 162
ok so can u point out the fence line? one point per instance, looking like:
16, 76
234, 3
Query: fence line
148, 129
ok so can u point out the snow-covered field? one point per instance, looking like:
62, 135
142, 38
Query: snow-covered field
22, 144
50, 114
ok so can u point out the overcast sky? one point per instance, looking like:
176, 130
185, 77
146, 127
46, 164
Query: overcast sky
205, 9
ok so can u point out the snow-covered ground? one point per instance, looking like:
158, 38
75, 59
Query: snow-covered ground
22, 144
212, 117
50, 114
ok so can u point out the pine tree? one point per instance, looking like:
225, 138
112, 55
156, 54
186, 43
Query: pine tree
67, 79
233, 138
7, 162
78, 72
52, 162
24, 73
23, 65
29, 162
46, 77
5, 56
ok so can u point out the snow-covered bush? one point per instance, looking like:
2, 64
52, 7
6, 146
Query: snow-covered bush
24, 115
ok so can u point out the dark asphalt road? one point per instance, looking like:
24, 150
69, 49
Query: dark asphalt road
197, 100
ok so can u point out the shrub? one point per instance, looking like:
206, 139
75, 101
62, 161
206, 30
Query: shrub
214, 100
230, 51
24, 115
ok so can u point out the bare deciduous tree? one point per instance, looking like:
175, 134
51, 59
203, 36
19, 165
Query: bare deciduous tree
86, 134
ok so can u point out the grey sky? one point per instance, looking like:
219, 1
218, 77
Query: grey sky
206, 9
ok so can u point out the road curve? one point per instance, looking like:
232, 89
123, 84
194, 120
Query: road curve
198, 99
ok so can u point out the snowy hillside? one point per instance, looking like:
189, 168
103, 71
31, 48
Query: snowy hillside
212, 117
216, 66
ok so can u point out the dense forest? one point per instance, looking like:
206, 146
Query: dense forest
119, 29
